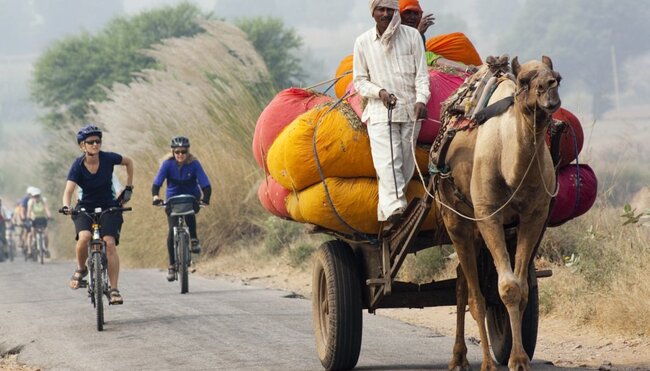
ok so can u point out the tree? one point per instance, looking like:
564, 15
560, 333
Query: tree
277, 46
579, 35
77, 69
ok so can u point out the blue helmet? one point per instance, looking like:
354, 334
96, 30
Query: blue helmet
88, 131
180, 142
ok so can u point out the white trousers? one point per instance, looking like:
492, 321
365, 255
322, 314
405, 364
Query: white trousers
404, 136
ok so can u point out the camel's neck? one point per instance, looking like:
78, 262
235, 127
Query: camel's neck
530, 129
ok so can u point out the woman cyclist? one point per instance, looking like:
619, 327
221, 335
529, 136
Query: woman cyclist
184, 175
93, 172
38, 213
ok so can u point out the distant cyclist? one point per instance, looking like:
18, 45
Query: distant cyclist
184, 175
38, 213
5, 220
25, 222
93, 172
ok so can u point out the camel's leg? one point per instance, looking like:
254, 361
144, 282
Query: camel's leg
459, 360
466, 248
527, 237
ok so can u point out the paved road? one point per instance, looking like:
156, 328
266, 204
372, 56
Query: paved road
219, 325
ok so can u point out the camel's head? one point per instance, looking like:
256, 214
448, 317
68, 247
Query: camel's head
538, 84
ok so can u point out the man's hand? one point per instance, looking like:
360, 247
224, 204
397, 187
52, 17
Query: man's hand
388, 99
426, 22
65, 210
126, 194
157, 201
420, 111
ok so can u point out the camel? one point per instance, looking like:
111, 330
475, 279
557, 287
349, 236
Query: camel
505, 174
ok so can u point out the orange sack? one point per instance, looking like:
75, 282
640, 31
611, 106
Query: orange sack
342, 146
343, 82
456, 47
284, 108
355, 200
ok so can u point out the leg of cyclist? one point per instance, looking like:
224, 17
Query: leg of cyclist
82, 255
113, 269
191, 223
171, 271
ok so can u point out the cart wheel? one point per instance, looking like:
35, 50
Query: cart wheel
336, 306
498, 322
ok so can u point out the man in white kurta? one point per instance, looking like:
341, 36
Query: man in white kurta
389, 69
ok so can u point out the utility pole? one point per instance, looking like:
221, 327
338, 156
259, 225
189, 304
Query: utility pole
615, 73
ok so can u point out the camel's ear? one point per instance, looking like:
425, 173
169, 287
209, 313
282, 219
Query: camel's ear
515, 66
547, 61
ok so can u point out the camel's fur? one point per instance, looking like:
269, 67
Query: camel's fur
488, 164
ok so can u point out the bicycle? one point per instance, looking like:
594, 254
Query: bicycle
181, 206
38, 244
97, 263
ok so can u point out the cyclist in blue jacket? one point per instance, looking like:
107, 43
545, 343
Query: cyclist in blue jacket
184, 175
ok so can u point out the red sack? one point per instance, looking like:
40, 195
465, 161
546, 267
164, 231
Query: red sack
572, 137
577, 193
273, 196
280, 112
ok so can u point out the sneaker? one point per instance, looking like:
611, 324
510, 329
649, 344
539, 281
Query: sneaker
171, 273
196, 247
47, 253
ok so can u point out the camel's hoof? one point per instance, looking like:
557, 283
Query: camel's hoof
519, 364
464, 367
489, 365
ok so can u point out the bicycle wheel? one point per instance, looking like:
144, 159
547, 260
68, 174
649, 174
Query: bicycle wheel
183, 260
12, 250
98, 285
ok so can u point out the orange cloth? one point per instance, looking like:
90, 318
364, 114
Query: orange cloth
343, 82
456, 47
409, 5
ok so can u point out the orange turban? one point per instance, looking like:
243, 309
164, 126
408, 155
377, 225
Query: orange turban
409, 5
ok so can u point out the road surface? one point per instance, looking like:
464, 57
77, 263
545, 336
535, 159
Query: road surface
219, 325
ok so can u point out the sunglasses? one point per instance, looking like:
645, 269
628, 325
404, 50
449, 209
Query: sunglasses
181, 152
93, 142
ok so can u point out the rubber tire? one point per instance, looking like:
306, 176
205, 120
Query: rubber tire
98, 293
336, 306
183, 254
12, 251
498, 323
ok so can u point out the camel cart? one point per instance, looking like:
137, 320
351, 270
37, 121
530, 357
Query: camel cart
356, 273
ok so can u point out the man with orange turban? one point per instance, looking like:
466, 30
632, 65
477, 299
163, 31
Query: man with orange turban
411, 14
389, 69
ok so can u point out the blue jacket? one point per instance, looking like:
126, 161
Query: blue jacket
185, 179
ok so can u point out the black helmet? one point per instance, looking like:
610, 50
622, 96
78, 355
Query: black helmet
88, 131
180, 142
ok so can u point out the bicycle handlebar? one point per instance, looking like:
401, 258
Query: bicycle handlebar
94, 213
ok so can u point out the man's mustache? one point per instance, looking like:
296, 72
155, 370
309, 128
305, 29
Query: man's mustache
386, 18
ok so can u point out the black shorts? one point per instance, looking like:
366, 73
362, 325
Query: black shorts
110, 225
39, 223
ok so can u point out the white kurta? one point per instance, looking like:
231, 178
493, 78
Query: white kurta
402, 71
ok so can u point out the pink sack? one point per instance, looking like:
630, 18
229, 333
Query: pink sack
272, 196
441, 85
577, 193
280, 112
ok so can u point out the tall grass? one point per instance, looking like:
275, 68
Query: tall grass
212, 88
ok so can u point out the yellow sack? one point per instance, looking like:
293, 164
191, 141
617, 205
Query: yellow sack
342, 145
355, 201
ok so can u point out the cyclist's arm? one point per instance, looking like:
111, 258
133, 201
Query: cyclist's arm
129, 170
30, 205
204, 183
67, 192
47, 210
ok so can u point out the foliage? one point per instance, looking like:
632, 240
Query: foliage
301, 253
426, 264
630, 215
278, 47
78, 69
585, 28
280, 234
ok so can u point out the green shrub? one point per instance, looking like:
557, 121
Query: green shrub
426, 264
280, 234
301, 253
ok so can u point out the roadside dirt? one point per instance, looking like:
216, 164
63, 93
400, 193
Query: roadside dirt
560, 341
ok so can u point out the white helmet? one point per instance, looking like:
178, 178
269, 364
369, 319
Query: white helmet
36, 191
30, 190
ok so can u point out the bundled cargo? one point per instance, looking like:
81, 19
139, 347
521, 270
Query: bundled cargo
280, 112
572, 137
354, 200
344, 71
577, 193
273, 197
330, 138
456, 47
